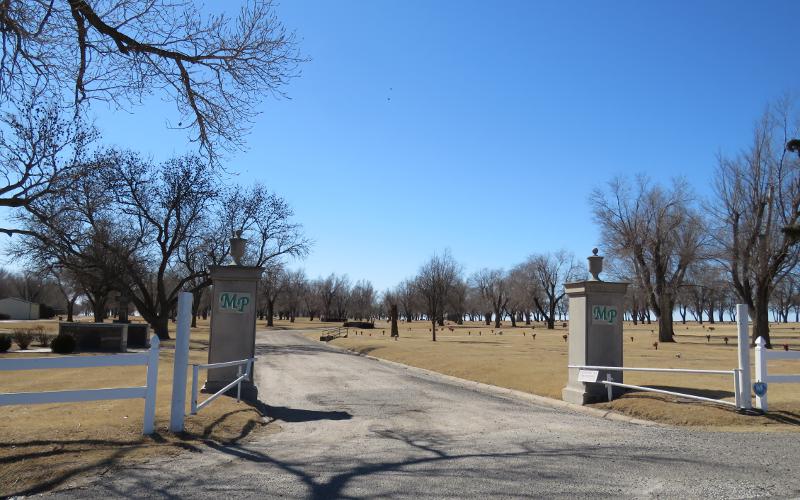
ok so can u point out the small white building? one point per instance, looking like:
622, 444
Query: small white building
16, 308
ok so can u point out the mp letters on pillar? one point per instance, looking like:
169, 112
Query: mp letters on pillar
604, 315
235, 302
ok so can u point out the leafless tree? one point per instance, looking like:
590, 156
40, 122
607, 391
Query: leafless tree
657, 232
273, 283
266, 221
38, 154
757, 194
494, 289
362, 300
434, 283
549, 271
523, 291
407, 297
215, 67
296, 286
330, 290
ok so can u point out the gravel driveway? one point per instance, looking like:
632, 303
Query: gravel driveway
353, 427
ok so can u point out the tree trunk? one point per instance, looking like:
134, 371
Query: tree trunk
761, 318
71, 309
665, 331
513, 320
433, 329
496, 320
488, 318
99, 310
270, 311
160, 325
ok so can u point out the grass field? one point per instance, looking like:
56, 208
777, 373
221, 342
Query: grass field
534, 360
45, 446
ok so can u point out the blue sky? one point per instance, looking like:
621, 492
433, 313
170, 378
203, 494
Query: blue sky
483, 126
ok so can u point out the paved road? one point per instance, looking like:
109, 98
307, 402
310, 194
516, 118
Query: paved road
353, 427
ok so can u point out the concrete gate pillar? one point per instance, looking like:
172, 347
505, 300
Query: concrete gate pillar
595, 332
233, 320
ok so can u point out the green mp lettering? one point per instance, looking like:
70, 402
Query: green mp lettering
233, 301
604, 314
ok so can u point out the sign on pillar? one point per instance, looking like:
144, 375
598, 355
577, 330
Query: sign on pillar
233, 320
595, 333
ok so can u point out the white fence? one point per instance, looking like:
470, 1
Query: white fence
763, 355
240, 377
146, 392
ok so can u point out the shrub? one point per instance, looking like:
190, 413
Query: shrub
5, 342
42, 338
23, 338
63, 344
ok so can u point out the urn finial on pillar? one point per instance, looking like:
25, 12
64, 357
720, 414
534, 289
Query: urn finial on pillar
237, 247
595, 265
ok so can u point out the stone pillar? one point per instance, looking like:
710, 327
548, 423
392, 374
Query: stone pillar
233, 324
595, 333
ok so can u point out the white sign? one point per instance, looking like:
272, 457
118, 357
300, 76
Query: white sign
604, 315
588, 375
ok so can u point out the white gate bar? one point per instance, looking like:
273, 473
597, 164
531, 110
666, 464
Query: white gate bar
238, 362
74, 362
236, 382
782, 379
671, 393
72, 396
666, 370
781, 354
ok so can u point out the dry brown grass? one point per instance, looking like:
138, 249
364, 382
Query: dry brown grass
45, 446
516, 360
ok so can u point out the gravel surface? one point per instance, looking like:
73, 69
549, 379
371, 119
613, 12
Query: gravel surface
353, 427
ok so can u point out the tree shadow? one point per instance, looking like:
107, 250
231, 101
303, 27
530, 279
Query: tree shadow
783, 417
692, 391
289, 415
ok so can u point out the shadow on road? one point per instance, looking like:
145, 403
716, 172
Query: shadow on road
285, 414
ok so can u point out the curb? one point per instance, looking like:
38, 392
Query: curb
510, 393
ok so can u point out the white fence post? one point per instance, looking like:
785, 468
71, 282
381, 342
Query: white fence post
743, 320
761, 372
178, 406
152, 385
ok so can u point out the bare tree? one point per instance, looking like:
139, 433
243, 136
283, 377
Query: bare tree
657, 232
407, 297
521, 293
266, 221
38, 154
362, 300
296, 286
434, 282
494, 289
329, 290
273, 283
757, 196
215, 68
549, 272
